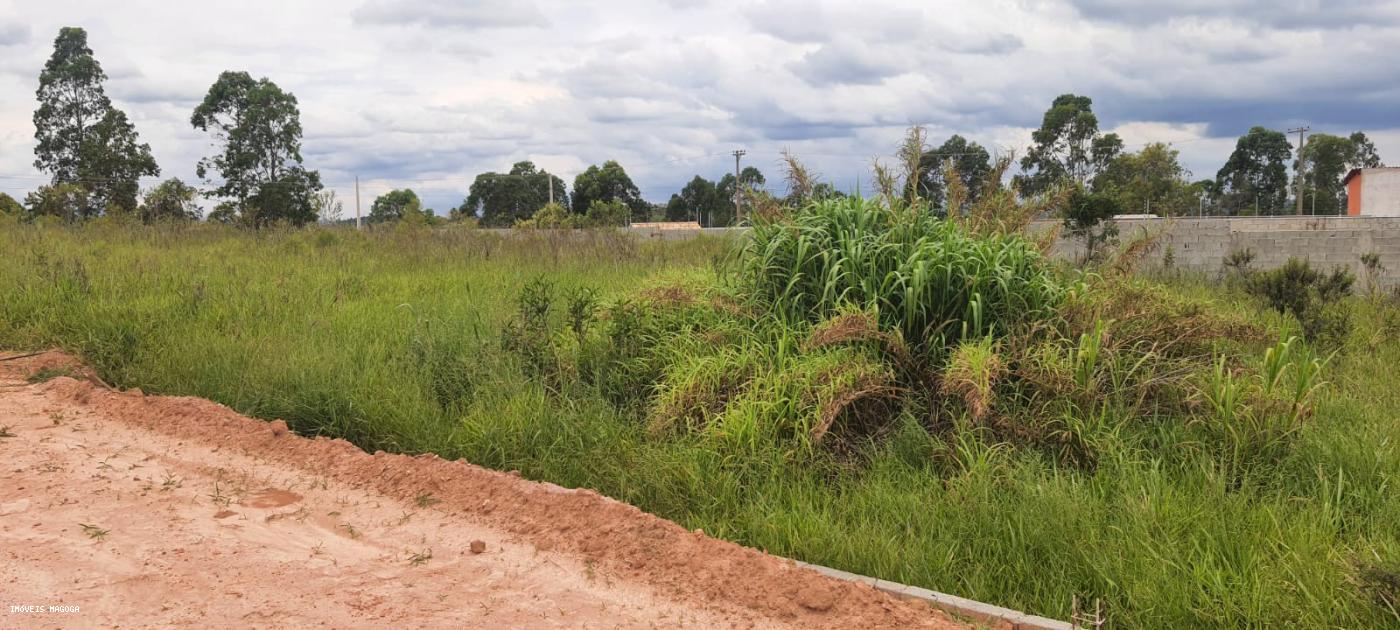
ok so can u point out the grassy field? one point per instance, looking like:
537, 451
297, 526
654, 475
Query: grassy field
394, 340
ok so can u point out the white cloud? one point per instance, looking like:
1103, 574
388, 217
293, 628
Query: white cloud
428, 93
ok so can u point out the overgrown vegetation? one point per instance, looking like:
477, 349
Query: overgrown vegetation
861, 386
1312, 297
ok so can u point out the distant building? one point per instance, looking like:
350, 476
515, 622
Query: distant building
1373, 192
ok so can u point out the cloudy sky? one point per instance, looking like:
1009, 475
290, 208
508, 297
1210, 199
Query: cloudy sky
428, 93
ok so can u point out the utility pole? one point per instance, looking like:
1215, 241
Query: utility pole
551, 189
738, 210
1300, 131
357, 202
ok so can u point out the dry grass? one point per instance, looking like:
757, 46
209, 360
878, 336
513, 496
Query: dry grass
972, 374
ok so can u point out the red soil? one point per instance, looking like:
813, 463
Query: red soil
142, 510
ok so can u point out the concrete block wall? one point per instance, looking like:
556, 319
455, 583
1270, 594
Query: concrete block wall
1201, 245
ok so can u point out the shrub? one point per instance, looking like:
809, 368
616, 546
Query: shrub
1310, 296
607, 214
530, 336
551, 217
1089, 216
1238, 261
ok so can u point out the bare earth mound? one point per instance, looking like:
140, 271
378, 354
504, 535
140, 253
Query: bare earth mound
124, 510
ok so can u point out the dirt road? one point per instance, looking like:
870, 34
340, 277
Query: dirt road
123, 510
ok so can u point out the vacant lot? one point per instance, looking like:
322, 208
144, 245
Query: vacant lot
396, 341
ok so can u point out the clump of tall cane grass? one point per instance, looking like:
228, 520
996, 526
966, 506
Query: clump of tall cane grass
925, 278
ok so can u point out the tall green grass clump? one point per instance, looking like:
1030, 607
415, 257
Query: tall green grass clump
925, 279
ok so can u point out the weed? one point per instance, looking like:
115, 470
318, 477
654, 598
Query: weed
420, 558
426, 500
49, 373
1131, 495
582, 305
93, 531
971, 375
1238, 261
218, 496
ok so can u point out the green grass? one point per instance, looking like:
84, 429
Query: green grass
393, 340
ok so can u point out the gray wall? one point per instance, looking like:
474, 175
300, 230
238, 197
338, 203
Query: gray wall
1201, 244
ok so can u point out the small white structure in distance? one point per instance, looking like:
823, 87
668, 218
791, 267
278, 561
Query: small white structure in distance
1373, 192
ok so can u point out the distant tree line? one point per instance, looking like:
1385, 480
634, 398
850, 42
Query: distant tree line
256, 176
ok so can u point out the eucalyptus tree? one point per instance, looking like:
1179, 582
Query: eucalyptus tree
81, 138
1255, 178
1068, 146
259, 168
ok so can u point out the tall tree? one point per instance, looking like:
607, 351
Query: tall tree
750, 178
1151, 180
698, 201
502, 199
259, 169
971, 161
395, 205
328, 208
1255, 178
1365, 155
1326, 159
171, 200
608, 182
1068, 146
81, 138
114, 161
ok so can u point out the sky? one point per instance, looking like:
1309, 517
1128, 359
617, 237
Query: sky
426, 94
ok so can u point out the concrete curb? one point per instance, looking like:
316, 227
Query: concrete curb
1017, 620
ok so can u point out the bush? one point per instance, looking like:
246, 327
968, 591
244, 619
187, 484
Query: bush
1089, 216
1310, 296
551, 217
607, 214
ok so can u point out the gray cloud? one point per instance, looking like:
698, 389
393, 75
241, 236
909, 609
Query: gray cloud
803, 22
144, 91
13, 34
478, 14
846, 62
1284, 14
985, 44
